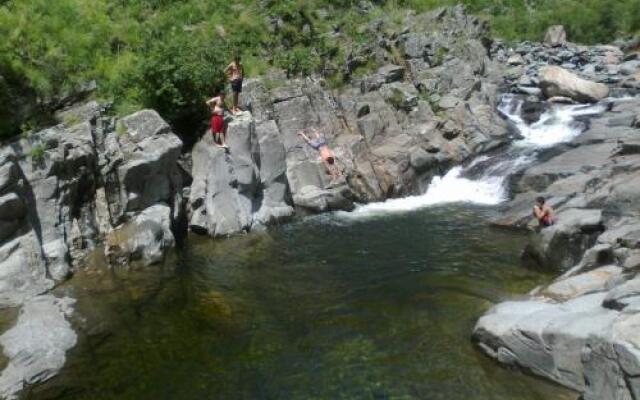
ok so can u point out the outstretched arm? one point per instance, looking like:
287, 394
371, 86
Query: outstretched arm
303, 136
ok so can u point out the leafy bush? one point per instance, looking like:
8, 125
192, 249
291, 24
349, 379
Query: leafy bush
168, 54
176, 75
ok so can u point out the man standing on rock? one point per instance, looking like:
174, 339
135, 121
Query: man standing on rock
319, 143
543, 213
235, 75
216, 104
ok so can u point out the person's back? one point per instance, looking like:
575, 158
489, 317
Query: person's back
234, 71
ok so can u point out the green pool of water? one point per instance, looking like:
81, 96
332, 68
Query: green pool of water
326, 308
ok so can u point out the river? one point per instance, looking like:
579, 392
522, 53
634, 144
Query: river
379, 307
374, 304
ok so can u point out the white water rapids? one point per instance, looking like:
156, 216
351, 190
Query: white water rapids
557, 125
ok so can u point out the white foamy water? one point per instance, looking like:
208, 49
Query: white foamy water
451, 188
556, 126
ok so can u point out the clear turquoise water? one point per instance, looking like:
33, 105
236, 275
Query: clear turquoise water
320, 309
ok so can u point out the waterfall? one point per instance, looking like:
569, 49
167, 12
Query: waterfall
559, 124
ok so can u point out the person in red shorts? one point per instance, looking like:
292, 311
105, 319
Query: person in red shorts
216, 104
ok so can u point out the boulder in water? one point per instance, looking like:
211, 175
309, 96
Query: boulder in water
36, 346
145, 238
562, 245
557, 81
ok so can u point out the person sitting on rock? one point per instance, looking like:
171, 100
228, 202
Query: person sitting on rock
216, 104
319, 144
543, 212
235, 75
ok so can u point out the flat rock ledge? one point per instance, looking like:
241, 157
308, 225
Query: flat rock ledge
36, 346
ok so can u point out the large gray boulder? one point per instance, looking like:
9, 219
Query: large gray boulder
557, 81
588, 342
140, 165
146, 238
555, 36
224, 185
231, 192
274, 202
544, 338
36, 346
562, 245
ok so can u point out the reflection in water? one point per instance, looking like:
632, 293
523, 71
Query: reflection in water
376, 308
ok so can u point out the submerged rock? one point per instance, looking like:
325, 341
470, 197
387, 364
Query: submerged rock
146, 238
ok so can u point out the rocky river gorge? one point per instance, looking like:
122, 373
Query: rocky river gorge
375, 292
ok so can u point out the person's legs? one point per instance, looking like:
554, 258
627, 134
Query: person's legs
236, 88
223, 141
235, 101
217, 128
212, 127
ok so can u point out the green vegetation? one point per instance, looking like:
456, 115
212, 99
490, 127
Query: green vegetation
37, 152
169, 55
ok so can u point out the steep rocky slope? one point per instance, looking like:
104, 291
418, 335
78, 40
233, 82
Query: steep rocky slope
430, 105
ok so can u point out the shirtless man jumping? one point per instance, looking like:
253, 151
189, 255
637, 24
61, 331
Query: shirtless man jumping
319, 144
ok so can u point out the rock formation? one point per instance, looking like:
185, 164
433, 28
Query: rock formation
555, 81
63, 192
581, 330
429, 105
555, 36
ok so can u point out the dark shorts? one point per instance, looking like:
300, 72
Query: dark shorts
236, 85
330, 160
546, 221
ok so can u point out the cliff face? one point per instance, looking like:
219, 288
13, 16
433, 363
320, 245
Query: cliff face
64, 192
429, 105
